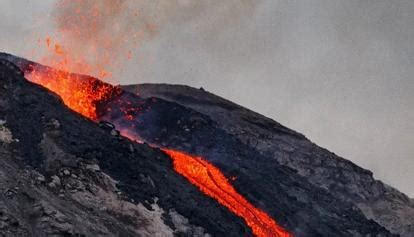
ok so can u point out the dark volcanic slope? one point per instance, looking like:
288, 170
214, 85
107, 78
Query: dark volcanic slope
341, 178
62, 175
52, 137
299, 206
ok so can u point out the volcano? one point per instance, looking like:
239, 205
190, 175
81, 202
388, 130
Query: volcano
85, 158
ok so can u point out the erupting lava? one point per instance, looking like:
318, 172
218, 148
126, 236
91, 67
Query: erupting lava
82, 93
87, 26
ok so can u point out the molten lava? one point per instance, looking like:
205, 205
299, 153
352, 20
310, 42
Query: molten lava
81, 94
94, 40
212, 182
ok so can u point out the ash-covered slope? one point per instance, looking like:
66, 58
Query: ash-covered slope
343, 179
58, 143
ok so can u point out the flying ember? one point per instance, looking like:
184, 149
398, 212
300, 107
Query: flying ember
94, 45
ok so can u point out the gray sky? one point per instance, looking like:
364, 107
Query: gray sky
340, 72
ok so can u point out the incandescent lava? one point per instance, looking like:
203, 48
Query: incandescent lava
82, 94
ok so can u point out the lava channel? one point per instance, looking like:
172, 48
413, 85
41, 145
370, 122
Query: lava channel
82, 94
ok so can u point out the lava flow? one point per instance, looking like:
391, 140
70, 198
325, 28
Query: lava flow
81, 94
212, 182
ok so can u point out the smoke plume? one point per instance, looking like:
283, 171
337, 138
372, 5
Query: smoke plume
97, 37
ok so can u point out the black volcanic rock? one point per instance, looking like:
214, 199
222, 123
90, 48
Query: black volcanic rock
122, 188
336, 175
301, 207
64, 175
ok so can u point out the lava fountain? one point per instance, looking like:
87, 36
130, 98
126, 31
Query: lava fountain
94, 43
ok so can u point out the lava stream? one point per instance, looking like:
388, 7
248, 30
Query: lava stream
82, 94
212, 182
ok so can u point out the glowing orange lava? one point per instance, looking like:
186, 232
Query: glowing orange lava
95, 39
81, 94
77, 92
212, 182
